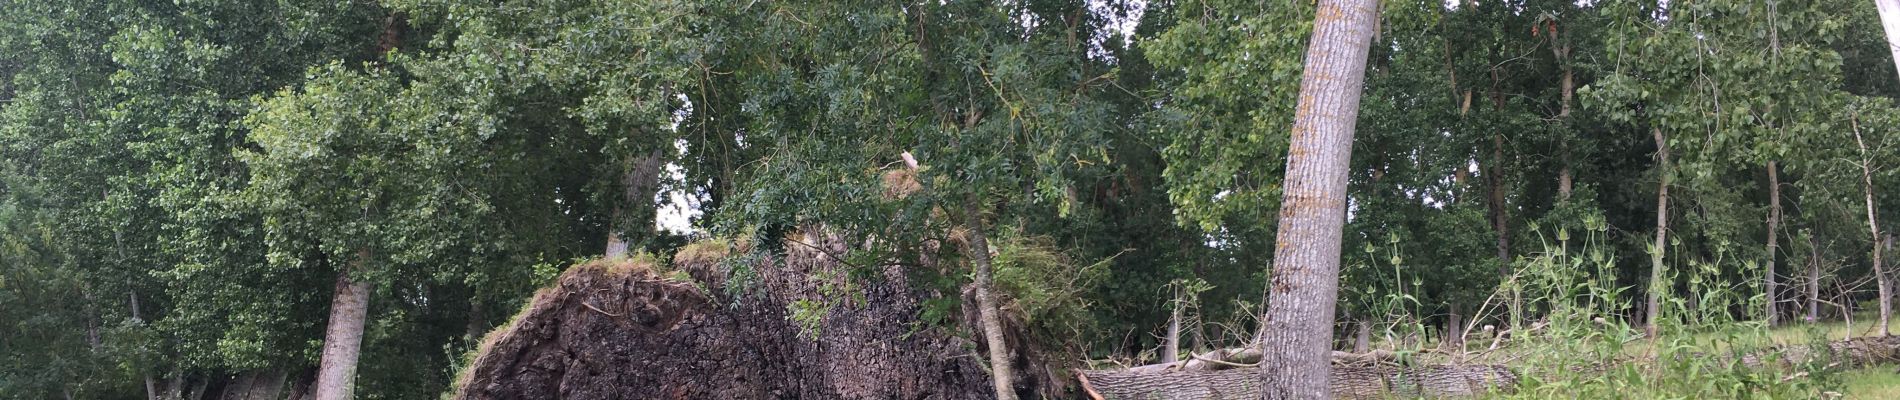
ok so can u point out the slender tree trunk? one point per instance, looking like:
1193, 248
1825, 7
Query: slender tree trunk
1774, 247
343, 339
1296, 345
176, 388
1362, 339
638, 184
151, 385
979, 249
1567, 86
1873, 222
1455, 329
1171, 350
1814, 279
1656, 284
477, 324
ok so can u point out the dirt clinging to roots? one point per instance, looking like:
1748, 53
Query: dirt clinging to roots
619, 330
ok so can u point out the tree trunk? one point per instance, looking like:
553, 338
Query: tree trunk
979, 249
343, 339
477, 324
1346, 382
1296, 345
1171, 350
151, 385
639, 184
264, 384
1454, 329
1814, 279
1873, 221
1568, 90
1890, 21
1362, 340
1656, 285
1774, 247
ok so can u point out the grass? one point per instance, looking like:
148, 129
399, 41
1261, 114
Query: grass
1871, 383
1875, 382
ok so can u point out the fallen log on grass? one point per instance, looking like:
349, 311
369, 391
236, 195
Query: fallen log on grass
1227, 373
1246, 357
1348, 382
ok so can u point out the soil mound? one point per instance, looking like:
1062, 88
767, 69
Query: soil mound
621, 330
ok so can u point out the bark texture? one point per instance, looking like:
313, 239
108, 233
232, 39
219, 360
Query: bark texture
1345, 382
1298, 332
617, 330
343, 338
1774, 247
1656, 286
998, 349
639, 184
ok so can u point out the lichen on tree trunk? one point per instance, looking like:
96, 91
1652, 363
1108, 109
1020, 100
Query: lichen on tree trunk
1297, 333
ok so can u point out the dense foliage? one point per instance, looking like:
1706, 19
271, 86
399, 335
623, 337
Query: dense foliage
183, 182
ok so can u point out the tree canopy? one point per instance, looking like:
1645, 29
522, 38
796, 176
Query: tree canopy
184, 185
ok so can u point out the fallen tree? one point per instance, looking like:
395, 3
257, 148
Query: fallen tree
622, 329
1348, 382
1230, 373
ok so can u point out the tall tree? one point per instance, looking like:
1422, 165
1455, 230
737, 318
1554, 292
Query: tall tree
1296, 341
1881, 280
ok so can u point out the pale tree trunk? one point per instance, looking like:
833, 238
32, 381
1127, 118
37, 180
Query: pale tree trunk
1656, 285
1171, 349
979, 249
1873, 222
1874, 226
1362, 339
1568, 90
638, 184
1454, 329
343, 339
151, 385
1774, 222
1890, 21
1296, 345
1814, 279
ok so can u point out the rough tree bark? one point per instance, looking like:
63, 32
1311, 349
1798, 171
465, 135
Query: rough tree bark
1656, 285
1345, 382
1774, 222
639, 184
1873, 223
1296, 343
343, 338
979, 249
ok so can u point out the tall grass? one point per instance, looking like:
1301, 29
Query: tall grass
1584, 344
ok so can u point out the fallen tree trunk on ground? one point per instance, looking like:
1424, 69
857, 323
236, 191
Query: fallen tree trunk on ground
1225, 373
1348, 382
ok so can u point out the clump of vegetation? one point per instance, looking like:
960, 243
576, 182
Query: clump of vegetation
1047, 290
